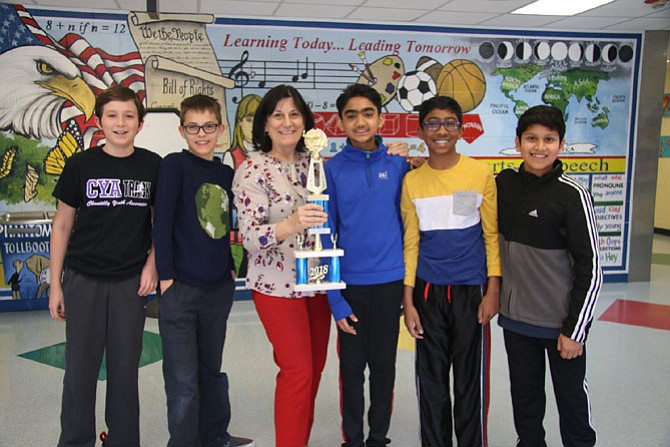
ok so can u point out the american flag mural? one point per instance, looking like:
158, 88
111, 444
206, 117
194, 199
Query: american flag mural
98, 68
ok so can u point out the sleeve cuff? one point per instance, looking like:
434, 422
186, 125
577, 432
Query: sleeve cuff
338, 305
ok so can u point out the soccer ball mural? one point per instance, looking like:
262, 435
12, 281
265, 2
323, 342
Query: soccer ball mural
414, 88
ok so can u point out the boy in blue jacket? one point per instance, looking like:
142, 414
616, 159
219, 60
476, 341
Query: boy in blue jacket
364, 182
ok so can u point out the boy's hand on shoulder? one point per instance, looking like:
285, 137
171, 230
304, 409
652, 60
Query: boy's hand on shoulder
401, 149
413, 321
568, 348
416, 162
344, 325
398, 148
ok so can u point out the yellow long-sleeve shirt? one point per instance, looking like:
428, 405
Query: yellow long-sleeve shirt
451, 224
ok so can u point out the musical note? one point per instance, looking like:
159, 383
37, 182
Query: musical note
302, 75
261, 84
264, 74
238, 73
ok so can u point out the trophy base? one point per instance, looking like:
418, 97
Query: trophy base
319, 287
329, 253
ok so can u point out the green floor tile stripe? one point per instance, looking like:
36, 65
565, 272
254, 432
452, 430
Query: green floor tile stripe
660, 258
54, 355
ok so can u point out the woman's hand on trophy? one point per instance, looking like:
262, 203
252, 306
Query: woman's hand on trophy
305, 216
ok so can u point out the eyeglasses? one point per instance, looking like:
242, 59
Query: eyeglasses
434, 125
193, 129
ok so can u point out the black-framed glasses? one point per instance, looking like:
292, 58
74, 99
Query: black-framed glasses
434, 125
193, 129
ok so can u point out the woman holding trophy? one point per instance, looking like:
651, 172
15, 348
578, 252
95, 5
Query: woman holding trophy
273, 213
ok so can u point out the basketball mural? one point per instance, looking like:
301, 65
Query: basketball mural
464, 81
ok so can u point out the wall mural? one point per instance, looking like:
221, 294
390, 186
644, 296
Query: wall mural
53, 63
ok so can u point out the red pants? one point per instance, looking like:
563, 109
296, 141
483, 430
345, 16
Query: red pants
298, 330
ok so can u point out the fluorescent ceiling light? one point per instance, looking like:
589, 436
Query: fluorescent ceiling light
560, 8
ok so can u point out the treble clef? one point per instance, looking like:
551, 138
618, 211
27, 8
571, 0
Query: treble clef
238, 73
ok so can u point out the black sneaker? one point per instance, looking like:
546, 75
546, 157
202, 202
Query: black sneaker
235, 441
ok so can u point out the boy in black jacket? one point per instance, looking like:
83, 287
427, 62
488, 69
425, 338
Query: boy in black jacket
551, 280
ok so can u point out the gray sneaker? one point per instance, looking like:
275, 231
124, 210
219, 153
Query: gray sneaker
235, 441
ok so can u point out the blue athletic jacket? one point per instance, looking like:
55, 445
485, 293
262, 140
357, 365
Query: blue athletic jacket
364, 211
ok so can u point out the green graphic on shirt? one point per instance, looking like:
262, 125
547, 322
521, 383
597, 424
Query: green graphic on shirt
211, 202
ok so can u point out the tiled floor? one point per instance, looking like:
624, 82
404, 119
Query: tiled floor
629, 377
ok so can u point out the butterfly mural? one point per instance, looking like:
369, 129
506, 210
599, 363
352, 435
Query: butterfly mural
69, 143
7, 161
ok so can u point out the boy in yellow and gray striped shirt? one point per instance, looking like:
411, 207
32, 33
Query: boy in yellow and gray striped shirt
452, 278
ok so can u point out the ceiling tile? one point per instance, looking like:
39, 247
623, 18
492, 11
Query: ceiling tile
519, 21
621, 8
236, 7
313, 11
447, 18
662, 12
381, 14
400, 4
137, 5
642, 24
306, 3
173, 6
581, 23
99, 4
490, 6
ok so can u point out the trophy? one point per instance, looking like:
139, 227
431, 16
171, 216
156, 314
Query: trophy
325, 275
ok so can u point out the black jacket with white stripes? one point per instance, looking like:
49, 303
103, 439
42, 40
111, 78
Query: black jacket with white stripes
549, 252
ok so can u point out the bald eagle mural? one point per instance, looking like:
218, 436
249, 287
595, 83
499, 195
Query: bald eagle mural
47, 99
35, 85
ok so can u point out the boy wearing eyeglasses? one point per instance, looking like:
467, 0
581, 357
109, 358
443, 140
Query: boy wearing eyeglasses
196, 272
452, 278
